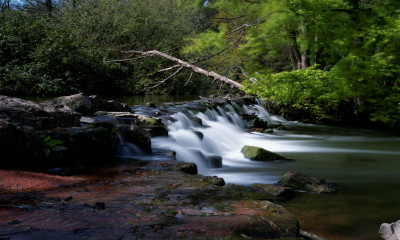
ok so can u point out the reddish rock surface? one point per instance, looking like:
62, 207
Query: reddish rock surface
144, 201
31, 181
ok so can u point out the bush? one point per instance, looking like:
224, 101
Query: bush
312, 89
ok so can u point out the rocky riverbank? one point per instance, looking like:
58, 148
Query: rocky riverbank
124, 199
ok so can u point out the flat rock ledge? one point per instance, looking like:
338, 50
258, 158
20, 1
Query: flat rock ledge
140, 200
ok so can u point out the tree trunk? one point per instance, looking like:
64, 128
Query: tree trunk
49, 6
190, 66
304, 54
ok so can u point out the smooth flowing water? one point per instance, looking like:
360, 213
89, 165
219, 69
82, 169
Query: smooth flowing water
364, 164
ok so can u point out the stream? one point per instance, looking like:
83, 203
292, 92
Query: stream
363, 163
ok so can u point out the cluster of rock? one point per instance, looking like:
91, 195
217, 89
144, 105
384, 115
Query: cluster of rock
69, 131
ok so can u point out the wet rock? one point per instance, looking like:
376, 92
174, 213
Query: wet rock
136, 135
78, 146
151, 104
263, 130
114, 114
86, 105
390, 231
277, 126
299, 181
260, 154
87, 120
112, 106
214, 161
189, 168
272, 222
260, 123
19, 146
26, 113
77, 102
152, 124
238, 192
199, 134
214, 180
277, 191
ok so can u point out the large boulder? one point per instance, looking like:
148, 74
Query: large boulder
299, 181
153, 125
136, 135
26, 113
19, 146
260, 154
77, 102
79, 146
87, 105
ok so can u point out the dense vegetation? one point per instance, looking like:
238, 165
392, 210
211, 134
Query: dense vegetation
73, 47
328, 56
336, 58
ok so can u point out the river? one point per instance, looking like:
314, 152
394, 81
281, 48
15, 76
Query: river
364, 164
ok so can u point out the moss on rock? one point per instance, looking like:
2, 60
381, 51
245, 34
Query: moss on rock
260, 154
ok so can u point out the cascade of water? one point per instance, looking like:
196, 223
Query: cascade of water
219, 136
126, 149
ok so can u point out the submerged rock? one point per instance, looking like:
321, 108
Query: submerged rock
260, 154
214, 161
277, 191
299, 181
269, 221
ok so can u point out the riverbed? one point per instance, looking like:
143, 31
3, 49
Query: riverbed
364, 163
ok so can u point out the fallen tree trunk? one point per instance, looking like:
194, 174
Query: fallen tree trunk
190, 66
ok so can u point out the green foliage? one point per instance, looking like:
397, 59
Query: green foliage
74, 51
53, 148
41, 58
311, 89
351, 46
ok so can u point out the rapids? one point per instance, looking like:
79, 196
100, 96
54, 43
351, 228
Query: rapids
363, 162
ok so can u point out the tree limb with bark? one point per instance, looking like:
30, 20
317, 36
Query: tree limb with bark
181, 65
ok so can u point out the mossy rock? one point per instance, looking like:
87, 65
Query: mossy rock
299, 181
260, 154
279, 192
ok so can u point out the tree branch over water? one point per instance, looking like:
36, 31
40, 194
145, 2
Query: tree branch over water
187, 65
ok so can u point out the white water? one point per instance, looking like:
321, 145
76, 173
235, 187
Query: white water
222, 133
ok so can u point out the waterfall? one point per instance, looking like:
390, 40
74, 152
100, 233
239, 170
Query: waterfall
211, 138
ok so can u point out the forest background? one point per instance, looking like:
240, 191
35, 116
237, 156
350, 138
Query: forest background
337, 59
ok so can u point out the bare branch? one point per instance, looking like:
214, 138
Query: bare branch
166, 79
184, 64
190, 77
